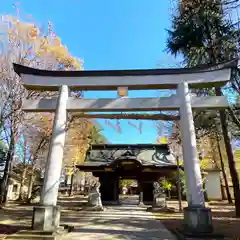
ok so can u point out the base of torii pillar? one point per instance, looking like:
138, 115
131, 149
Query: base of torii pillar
197, 218
46, 218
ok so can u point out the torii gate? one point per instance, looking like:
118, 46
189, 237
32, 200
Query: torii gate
197, 217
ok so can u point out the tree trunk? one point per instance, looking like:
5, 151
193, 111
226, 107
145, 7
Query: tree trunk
24, 172
71, 186
229, 198
169, 194
224, 197
30, 185
8, 166
22, 183
231, 162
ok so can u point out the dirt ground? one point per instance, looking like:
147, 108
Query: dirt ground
224, 220
17, 216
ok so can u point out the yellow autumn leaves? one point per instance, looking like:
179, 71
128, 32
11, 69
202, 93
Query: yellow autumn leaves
59, 52
42, 46
162, 140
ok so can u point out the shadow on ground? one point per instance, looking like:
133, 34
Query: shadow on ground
224, 220
124, 222
117, 222
6, 229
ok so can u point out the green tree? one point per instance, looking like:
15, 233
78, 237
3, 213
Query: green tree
126, 183
203, 34
167, 186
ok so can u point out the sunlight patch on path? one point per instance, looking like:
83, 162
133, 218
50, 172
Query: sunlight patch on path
118, 222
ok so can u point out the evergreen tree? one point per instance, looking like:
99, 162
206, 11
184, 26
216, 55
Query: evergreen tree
202, 34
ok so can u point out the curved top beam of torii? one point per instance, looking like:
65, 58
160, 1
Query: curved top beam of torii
197, 77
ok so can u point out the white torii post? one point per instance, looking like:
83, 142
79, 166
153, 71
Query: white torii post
55, 154
47, 215
192, 171
196, 215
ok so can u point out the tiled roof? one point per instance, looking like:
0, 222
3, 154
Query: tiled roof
147, 155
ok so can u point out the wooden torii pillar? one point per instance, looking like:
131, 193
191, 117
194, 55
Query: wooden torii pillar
196, 216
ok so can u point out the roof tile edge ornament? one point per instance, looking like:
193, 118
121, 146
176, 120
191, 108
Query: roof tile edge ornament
34, 79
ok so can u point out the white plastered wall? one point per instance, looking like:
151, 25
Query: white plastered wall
213, 186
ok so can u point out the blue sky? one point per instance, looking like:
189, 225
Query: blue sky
109, 34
